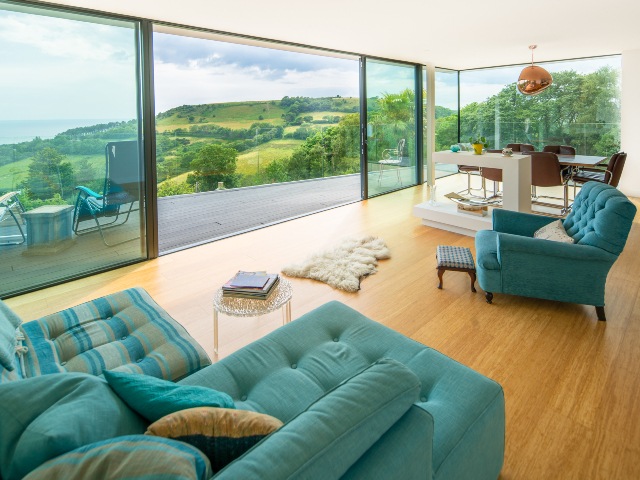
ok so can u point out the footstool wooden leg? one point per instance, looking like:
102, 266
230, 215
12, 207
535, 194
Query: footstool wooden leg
488, 296
440, 274
472, 274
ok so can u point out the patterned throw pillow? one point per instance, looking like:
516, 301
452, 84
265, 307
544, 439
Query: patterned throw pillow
555, 232
128, 457
153, 398
222, 434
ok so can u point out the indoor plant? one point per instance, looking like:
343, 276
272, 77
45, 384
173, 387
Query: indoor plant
478, 143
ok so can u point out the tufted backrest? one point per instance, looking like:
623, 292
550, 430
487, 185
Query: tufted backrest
601, 217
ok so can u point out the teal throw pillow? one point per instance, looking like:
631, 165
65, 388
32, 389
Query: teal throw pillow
9, 322
153, 398
45, 417
129, 457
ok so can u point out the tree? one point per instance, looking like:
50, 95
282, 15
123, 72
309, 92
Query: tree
213, 164
49, 175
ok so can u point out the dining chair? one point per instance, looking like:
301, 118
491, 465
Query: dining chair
492, 174
546, 171
559, 149
521, 147
611, 175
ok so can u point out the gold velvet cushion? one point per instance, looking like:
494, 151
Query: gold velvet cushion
555, 232
222, 434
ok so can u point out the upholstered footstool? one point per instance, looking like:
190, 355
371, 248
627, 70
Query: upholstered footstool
458, 259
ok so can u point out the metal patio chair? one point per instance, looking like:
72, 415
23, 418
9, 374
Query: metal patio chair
120, 194
11, 210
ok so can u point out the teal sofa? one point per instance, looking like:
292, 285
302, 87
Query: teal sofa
509, 260
358, 401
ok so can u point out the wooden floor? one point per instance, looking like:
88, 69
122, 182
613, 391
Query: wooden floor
571, 383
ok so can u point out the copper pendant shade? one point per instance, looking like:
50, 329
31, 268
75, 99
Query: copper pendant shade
533, 79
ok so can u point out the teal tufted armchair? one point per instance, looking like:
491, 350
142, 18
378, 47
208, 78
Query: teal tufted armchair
510, 260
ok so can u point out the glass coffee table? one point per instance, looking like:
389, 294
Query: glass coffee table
250, 307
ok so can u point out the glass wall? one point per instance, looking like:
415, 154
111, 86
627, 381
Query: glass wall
581, 108
249, 135
391, 126
446, 100
70, 169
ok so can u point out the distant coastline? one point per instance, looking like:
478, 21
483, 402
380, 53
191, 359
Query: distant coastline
17, 131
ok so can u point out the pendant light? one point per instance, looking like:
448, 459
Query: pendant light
533, 79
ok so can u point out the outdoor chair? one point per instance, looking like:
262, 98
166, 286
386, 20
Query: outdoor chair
392, 157
121, 192
611, 175
560, 149
11, 210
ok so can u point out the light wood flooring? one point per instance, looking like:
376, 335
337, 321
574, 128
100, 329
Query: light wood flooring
571, 383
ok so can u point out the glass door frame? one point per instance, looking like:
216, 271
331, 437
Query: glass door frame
419, 119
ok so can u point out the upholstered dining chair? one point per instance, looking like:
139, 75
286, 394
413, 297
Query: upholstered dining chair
521, 147
509, 259
492, 174
560, 149
546, 171
611, 175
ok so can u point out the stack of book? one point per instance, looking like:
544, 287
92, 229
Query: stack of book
256, 285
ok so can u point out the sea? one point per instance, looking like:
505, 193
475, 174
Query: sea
16, 131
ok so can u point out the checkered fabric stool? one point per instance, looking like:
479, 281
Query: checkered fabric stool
458, 259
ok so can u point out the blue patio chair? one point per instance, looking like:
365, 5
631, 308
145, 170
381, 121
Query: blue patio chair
120, 194
11, 209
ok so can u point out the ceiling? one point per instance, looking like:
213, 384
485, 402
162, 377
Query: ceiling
451, 34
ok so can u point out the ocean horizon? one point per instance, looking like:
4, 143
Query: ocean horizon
17, 131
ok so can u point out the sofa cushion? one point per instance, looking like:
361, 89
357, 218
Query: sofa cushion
221, 434
153, 398
284, 372
325, 439
128, 458
126, 331
9, 323
47, 416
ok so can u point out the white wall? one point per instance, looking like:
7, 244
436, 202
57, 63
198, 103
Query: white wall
630, 122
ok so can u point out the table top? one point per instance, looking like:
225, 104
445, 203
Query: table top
251, 307
581, 160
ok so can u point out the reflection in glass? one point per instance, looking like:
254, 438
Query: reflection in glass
68, 91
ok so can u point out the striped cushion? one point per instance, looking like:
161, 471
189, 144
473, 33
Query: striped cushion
455, 257
128, 457
126, 331
222, 434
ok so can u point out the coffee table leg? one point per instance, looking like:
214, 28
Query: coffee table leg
215, 330
286, 312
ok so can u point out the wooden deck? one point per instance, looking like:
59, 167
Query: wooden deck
189, 220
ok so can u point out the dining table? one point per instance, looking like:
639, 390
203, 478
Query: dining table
578, 161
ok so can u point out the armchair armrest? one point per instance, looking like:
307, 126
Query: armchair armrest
88, 192
518, 223
335, 431
547, 248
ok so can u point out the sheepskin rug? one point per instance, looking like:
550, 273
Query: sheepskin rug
344, 265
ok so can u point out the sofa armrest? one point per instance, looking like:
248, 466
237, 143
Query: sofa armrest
335, 431
518, 223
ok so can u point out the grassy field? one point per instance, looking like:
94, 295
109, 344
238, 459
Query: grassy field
230, 115
263, 155
12, 174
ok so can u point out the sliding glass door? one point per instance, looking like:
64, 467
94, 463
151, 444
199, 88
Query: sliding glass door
71, 176
391, 140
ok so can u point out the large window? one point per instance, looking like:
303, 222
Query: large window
249, 135
581, 108
69, 93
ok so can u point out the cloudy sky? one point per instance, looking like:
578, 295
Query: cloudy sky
67, 68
